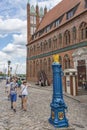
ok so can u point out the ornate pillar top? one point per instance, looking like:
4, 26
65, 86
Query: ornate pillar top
56, 58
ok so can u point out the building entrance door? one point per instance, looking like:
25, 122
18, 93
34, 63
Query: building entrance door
81, 71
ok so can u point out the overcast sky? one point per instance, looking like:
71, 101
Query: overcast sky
13, 32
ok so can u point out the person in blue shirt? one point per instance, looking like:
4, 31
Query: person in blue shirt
13, 94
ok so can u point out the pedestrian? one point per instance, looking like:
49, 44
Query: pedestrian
19, 82
7, 88
24, 93
13, 94
83, 83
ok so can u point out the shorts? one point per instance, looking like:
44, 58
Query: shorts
23, 96
13, 97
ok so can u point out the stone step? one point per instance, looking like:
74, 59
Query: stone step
82, 91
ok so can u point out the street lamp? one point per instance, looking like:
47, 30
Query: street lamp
9, 62
10, 70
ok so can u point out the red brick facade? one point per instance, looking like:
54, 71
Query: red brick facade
62, 31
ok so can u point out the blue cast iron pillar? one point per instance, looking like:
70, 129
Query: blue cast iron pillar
57, 118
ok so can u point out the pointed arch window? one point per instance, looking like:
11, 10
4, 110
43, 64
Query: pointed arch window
67, 37
55, 42
33, 68
37, 67
34, 49
45, 45
41, 65
49, 65
60, 40
49, 43
83, 31
74, 33
30, 69
45, 66
86, 32
85, 3
66, 62
60, 60
41, 46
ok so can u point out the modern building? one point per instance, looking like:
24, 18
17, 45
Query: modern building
62, 30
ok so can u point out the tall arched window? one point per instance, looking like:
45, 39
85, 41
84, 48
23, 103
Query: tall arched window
45, 45
86, 32
60, 60
31, 50
40, 65
34, 49
83, 30
33, 68
67, 37
66, 62
30, 71
74, 33
45, 66
55, 42
49, 64
28, 52
37, 67
60, 40
49, 43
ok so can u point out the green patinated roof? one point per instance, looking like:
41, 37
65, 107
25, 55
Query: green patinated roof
41, 12
28, 1
32, 10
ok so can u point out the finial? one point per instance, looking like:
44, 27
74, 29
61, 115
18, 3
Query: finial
28, 1
36, 2
56, 58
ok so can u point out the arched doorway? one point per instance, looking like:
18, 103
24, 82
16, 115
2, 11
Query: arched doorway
80, 63
81, 71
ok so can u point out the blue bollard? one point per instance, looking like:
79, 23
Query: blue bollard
57, 118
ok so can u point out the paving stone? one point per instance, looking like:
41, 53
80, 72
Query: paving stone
38, 112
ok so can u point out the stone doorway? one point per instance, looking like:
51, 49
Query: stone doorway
80, 64
81, 72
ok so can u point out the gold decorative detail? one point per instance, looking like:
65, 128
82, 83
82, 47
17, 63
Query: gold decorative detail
60, 115
56, 58
52, 114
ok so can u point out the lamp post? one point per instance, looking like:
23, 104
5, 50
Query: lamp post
58, 106
9, 62
10, 71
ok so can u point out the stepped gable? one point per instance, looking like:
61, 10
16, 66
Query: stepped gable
60, 9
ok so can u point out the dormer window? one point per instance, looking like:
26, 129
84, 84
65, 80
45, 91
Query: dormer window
57, 23
71, 12
48, 28
85, 3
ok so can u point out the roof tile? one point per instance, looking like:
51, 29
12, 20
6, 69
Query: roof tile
60, 9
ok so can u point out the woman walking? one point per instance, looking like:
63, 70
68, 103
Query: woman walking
24, 93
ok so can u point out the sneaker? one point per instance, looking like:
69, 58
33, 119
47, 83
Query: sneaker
11, 107
14, 110
24, 110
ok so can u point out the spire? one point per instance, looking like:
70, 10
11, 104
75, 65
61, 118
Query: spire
28, 1
36, 2
45, 10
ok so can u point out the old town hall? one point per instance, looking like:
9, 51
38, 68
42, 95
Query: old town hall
61, 30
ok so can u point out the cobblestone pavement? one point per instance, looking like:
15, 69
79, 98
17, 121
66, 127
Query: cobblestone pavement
36, 117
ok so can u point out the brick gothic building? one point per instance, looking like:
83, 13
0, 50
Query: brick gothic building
63, 31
